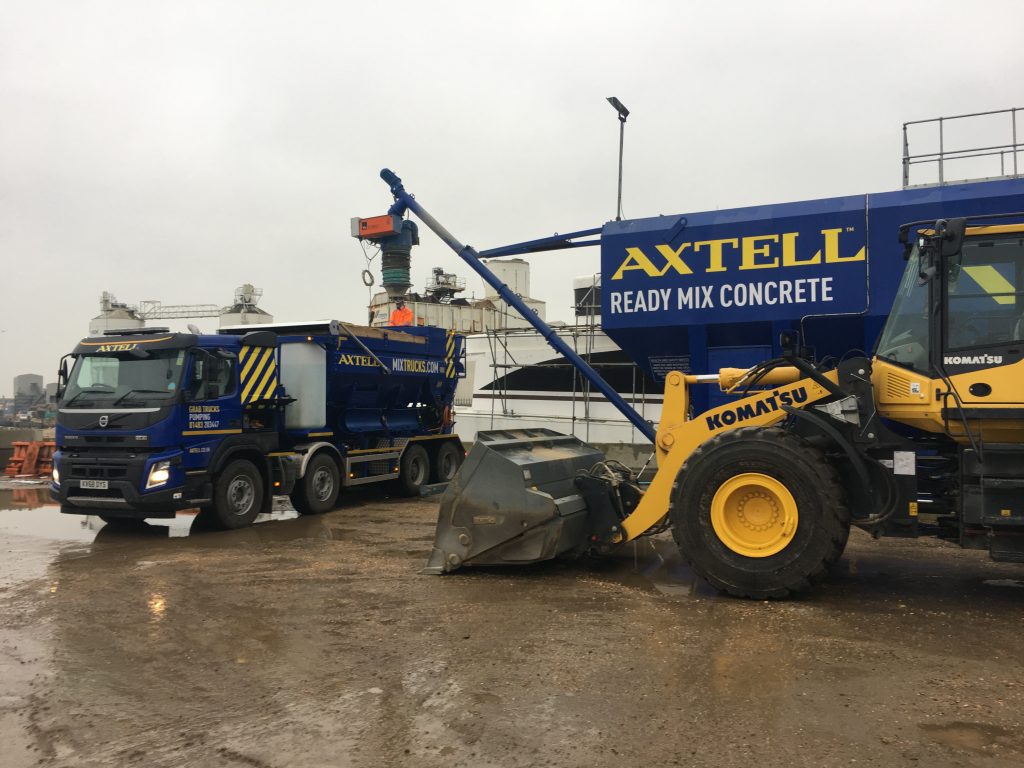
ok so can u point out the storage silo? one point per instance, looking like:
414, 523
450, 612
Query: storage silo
244, 311
114, 315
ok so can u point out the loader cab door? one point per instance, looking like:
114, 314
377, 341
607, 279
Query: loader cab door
983, 301
983, 314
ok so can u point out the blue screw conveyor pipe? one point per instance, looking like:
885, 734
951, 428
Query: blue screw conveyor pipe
405, 201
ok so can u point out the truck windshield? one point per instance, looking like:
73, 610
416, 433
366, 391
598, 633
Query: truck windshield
904, 339
110, 380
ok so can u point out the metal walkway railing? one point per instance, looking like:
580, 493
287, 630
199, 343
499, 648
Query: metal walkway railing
1007, 153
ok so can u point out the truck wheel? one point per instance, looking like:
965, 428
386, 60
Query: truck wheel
237, 495
317, 491
413, 470
760, 513
446, 463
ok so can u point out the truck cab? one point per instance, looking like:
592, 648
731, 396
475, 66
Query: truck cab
140, 412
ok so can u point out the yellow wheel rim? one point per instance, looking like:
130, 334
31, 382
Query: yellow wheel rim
754, 515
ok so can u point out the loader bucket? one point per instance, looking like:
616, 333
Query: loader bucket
514, 501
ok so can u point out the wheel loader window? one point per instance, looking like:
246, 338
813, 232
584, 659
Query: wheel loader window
985, 295
904, 339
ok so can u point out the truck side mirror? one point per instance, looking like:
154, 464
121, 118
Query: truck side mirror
62, 377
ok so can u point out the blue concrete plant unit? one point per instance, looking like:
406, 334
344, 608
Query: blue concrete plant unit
700, 291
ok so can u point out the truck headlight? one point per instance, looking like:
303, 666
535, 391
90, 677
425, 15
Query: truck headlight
159, 474
56, 475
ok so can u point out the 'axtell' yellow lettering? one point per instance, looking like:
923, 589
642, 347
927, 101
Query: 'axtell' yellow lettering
769, 251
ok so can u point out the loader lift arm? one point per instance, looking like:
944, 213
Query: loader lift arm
678, 437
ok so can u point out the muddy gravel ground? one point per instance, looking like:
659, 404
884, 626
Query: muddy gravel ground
315, 642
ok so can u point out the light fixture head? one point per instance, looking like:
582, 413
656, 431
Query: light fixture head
619, 107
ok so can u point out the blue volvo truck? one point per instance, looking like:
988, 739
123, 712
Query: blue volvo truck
151, 422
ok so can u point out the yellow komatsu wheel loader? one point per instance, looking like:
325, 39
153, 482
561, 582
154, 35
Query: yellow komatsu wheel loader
925, 437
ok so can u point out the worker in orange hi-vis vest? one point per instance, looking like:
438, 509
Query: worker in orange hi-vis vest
401, 314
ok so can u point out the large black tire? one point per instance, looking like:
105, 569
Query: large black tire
237, 495
317, 491
414, 469
739, 482
446, 463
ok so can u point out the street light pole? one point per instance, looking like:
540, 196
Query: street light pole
623, 114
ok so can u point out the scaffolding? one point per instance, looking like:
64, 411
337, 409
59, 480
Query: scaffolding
582, 337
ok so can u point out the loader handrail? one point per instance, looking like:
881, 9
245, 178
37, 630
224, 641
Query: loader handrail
405, 201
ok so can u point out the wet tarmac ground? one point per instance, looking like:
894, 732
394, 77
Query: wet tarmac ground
314, 641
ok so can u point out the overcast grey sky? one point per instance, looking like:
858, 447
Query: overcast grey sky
175, 150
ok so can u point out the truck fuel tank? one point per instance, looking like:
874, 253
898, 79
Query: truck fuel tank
514, 501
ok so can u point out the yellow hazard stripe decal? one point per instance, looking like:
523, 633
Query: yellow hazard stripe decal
449, 355
266, 385
994, 284
258, 371
251, 362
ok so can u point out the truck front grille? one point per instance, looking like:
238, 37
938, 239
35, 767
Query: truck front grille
98, 471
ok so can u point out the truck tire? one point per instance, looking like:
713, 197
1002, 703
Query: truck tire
759, 513
446, 463
414, 469
317, 491
237, 495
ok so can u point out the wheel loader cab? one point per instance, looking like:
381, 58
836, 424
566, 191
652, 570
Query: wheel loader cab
956, 368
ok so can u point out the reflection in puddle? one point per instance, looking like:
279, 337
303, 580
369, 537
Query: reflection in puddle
1004, 582
157, 605
26, 497
655, 564
30, 512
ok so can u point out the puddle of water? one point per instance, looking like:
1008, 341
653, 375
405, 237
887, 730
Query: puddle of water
1004, 582
25, 497
29, 512
656, 564
33, 539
